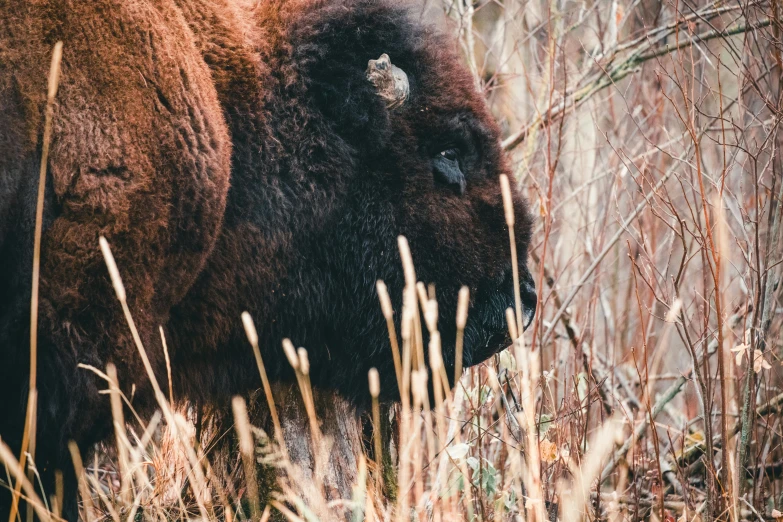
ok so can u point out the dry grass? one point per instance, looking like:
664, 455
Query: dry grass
646, 135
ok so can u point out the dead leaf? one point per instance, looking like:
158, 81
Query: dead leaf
548, 451
740, 350
759, 362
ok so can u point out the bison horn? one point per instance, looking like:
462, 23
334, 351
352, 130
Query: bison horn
390, 81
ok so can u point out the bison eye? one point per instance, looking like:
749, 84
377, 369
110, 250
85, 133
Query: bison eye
449, 154
447, 171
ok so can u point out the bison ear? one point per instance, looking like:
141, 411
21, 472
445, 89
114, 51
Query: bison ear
390, 81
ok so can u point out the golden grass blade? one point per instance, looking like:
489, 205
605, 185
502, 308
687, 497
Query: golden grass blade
28, 436
84, 490
508, 206
252, 337
168, 364
388, 314
512, 324
307, 396
407, 261
375, 391
421, 293
247, 450
119, 431
462, 319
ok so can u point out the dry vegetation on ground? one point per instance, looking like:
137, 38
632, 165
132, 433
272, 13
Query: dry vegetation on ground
646, 135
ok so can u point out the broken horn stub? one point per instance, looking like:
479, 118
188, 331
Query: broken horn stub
390, 81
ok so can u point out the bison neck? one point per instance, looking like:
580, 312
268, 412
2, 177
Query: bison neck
284, 184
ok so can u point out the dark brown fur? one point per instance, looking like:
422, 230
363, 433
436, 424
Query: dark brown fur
236, 159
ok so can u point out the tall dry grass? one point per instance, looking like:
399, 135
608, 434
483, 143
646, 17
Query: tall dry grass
646, 135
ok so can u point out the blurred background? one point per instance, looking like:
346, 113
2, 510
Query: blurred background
646, 135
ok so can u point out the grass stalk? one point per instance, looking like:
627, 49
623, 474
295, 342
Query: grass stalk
121, 439
508, 207
252, 337
168, 363
83, 487
247, 451
388, 314
307, 395
375, 391
28, 436
462, 319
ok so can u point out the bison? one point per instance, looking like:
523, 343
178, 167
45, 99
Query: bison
236, 157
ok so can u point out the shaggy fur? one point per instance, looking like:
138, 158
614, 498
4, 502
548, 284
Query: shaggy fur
236, 158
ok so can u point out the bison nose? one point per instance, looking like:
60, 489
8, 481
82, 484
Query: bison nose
528, 294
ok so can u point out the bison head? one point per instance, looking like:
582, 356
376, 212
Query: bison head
371, 128
402, 144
